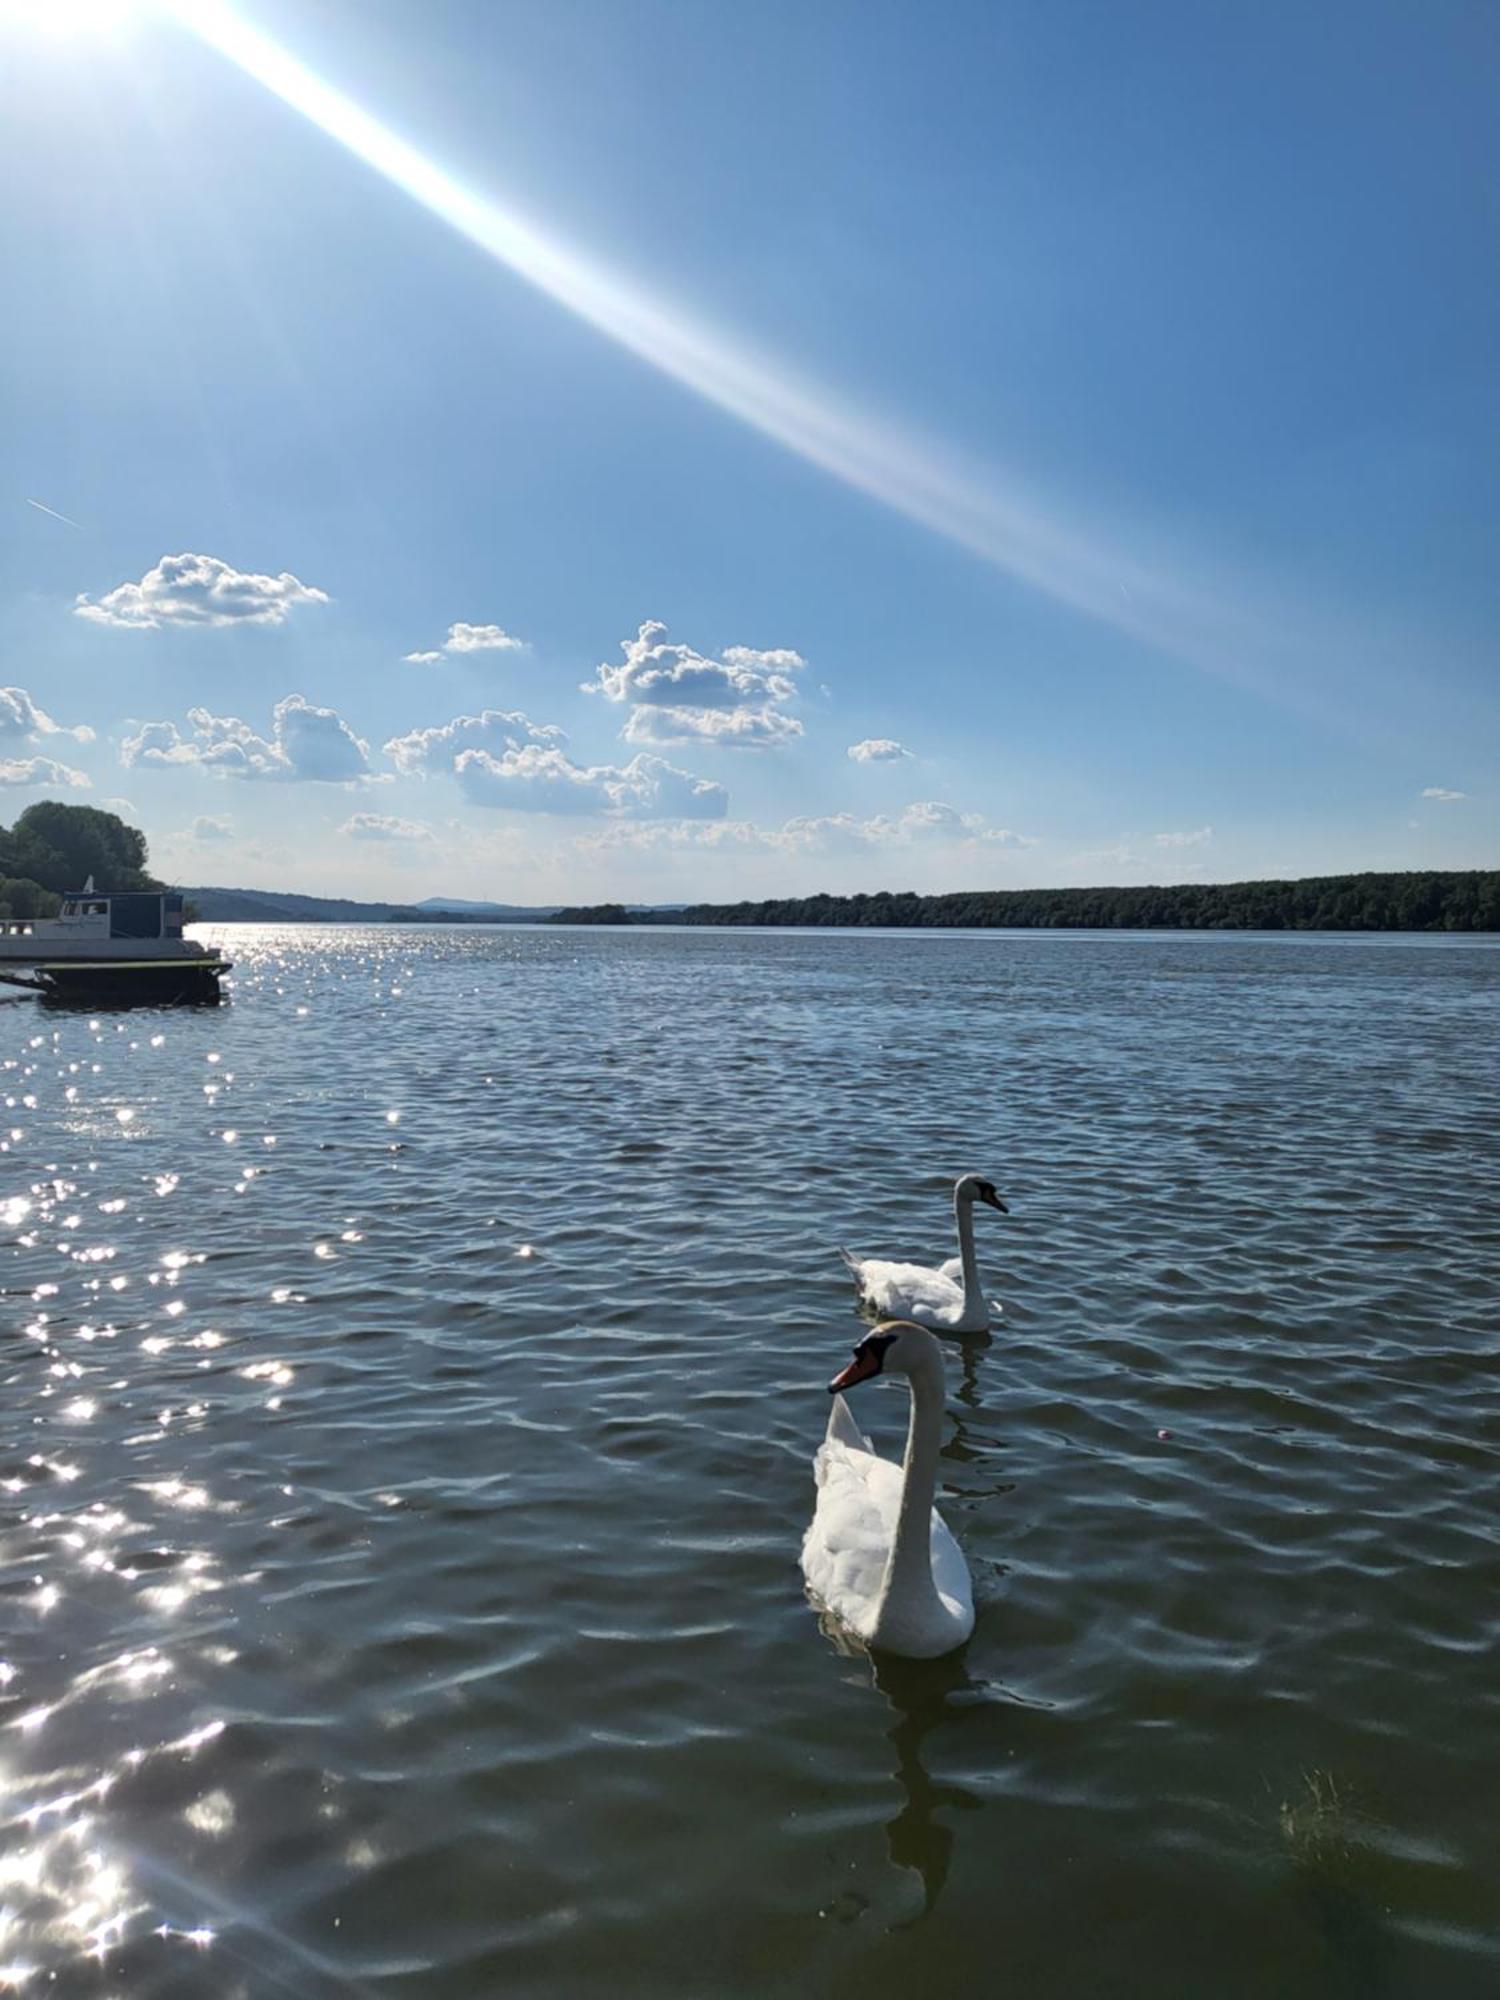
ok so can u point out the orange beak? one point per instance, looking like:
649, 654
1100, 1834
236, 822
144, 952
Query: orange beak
860, 1369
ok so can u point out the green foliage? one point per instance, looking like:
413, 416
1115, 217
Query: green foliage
597, 913
53, 848
1429, 901
23, 898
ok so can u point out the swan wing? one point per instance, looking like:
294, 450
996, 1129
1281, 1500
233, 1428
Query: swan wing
950, 1573
910, 1291
852, 1528
842, 1429
953, 1270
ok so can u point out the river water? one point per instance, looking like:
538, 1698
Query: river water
412, 1372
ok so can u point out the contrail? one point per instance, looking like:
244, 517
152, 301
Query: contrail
42, 508
982, 510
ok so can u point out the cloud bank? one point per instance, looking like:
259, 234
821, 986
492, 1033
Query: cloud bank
929, 822
538, 778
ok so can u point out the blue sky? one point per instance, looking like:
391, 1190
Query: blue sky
853, 446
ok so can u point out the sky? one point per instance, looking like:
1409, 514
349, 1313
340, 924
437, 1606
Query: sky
557, 450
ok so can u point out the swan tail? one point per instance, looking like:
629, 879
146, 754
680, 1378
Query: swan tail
852, 1262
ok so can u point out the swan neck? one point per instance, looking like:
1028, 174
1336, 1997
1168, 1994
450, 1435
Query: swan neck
908, 1580
963, 1215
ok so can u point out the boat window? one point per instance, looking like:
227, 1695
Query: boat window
96, 910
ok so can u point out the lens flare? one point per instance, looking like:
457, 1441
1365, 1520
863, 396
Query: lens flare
1190, 613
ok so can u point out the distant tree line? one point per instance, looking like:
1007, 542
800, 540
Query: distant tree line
53, 848
1434, 900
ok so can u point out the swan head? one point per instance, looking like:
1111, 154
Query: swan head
897, 1347
973, 1187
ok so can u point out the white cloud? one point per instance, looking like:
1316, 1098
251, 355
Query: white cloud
877, 750
1199, 837
534, 777
307, 743
42, 771
677, 695
211, 826
496, 731
480, 639
124, 807
470, 639
735, 728
199, 590
384, 826
21, 720
1442, 794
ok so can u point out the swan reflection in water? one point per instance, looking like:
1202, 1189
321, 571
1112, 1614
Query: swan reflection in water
920, 1696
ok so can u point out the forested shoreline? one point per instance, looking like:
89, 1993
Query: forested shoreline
1421, 900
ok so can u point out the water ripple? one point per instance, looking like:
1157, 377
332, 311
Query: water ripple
411, 1381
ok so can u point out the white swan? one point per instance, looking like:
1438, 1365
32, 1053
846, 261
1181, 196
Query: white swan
877, 1553
949, 1299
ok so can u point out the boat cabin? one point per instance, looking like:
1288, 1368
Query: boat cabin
137, 915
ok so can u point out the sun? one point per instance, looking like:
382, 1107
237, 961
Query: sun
71, 20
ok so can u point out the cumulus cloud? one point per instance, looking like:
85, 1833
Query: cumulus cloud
384, 826
480, 639
211, 826
307, 743
877, 750
470, 639
42, 771
1442, 794
677, 695
22, 721
1199, 837
535, 777
199, 590
496, 731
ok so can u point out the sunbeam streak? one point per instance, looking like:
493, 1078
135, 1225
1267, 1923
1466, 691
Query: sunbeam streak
984, 512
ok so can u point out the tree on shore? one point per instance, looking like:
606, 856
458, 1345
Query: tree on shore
53, 848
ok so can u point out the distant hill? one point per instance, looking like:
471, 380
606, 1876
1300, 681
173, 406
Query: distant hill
263, 906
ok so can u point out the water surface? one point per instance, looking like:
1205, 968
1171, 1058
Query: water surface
411, 1377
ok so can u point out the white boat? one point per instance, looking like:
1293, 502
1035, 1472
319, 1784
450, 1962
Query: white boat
122, 945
